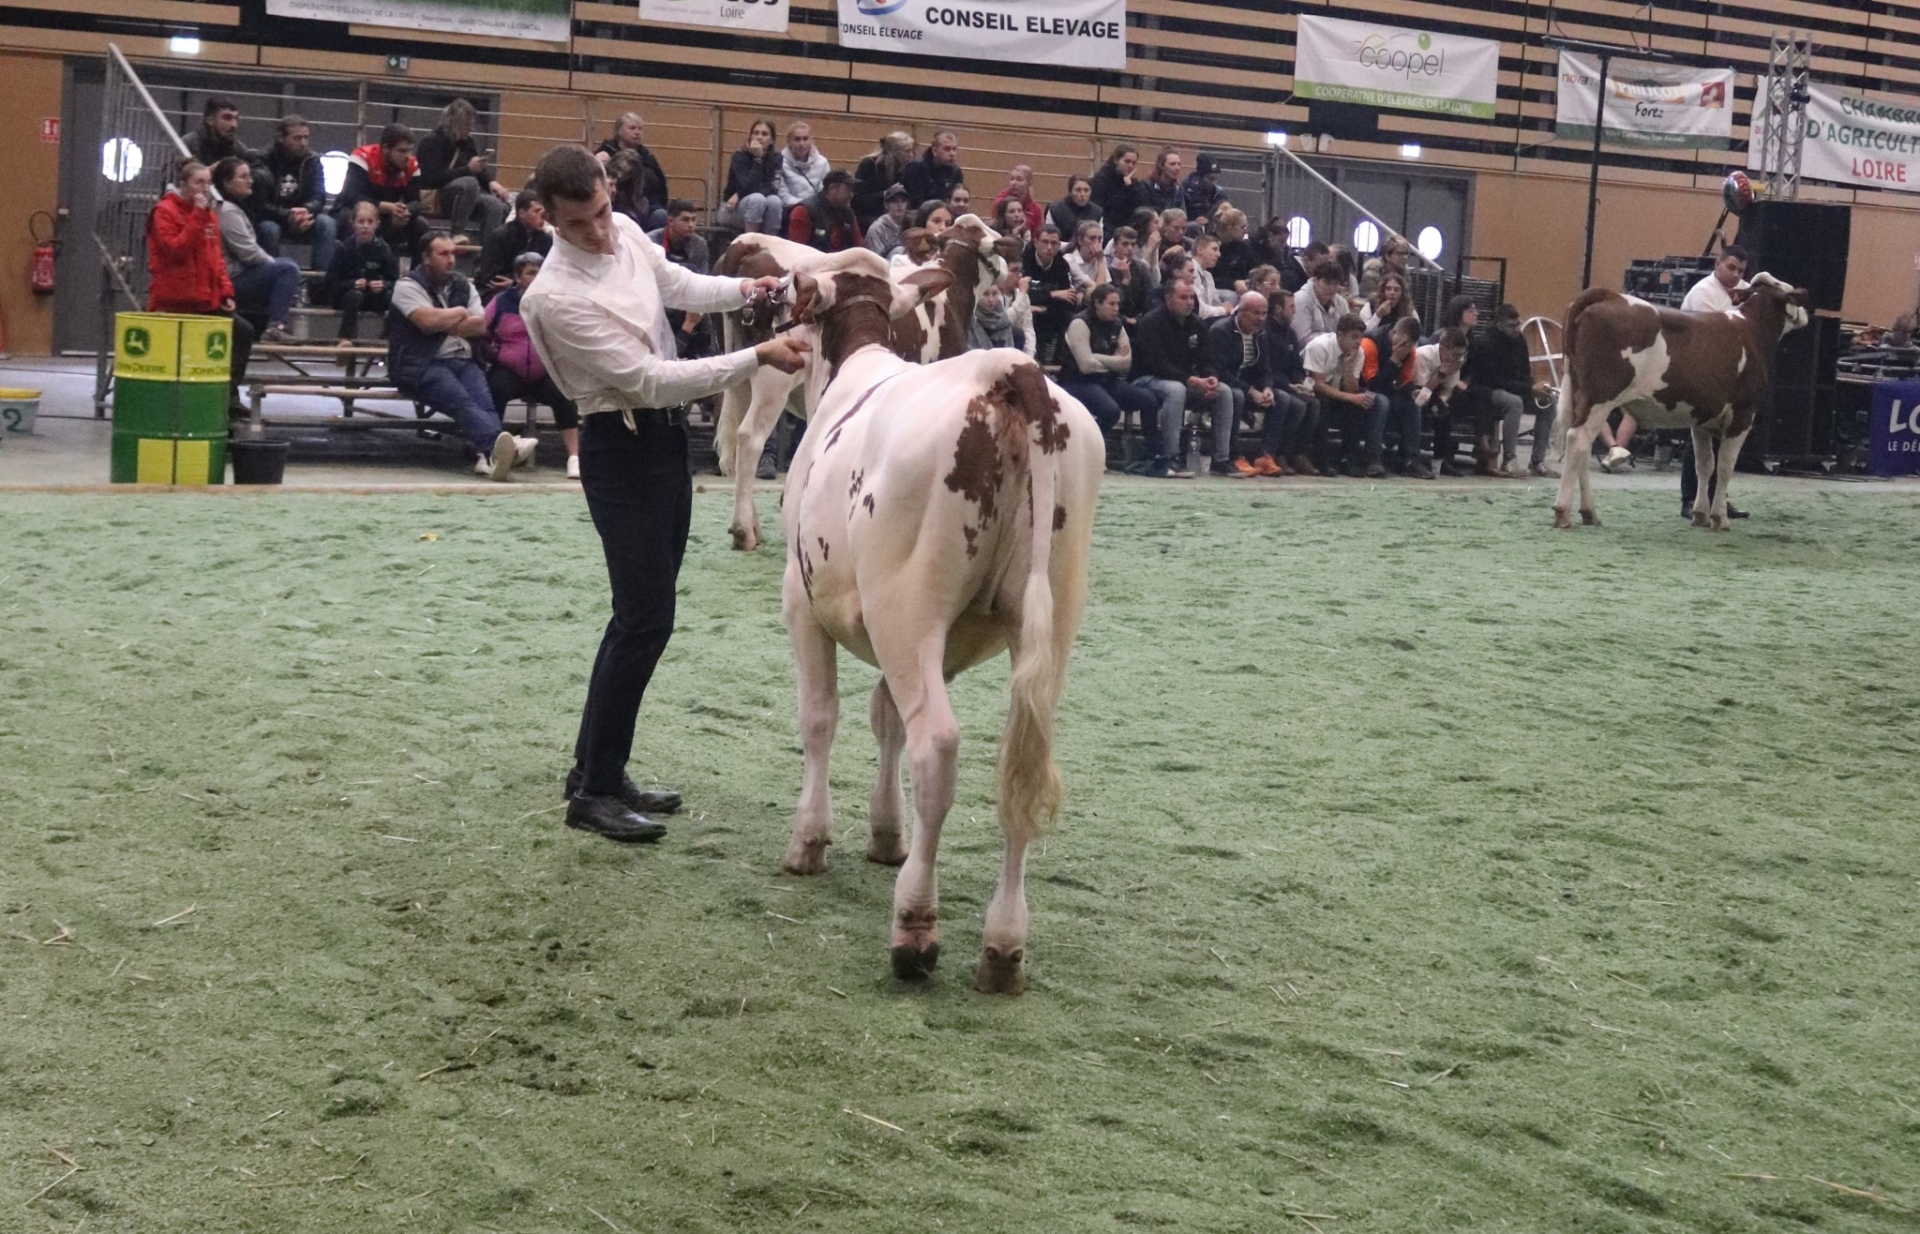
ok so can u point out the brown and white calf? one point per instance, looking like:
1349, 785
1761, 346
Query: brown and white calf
1702, 371
971, 252
934, 515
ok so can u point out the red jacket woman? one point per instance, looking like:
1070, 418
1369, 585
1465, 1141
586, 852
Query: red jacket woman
187, 269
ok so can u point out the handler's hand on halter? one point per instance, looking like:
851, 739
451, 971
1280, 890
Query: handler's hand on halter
785, 353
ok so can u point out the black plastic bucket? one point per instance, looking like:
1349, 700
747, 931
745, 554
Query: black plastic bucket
257, 461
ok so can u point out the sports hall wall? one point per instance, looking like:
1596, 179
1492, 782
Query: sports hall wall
1200, 73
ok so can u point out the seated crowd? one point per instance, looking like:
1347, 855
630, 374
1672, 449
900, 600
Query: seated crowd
1145, 292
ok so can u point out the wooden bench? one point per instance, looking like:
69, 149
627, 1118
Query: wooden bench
347, 394
300, 356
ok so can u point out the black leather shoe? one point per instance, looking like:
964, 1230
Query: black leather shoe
609, 817
631, 795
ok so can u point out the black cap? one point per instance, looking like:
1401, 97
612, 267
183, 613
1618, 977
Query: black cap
895, 192
1206, 165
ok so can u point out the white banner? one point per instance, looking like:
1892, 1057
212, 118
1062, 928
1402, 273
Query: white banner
768, 15
1086, 34
550, 21
1386, 66
1866, 140
1647, 104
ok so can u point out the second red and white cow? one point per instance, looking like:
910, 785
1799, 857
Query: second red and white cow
1701, 371
934, 516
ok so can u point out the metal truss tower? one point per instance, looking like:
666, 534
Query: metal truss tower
1780, 113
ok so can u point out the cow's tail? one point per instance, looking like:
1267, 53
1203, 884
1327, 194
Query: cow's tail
734, 400
1029, 780
1568, 332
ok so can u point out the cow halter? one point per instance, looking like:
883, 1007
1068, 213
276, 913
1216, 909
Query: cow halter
885, 306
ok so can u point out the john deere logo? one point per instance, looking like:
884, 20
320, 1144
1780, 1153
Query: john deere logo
137, 341
217, 345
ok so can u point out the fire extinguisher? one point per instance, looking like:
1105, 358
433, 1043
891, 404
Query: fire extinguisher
44, 251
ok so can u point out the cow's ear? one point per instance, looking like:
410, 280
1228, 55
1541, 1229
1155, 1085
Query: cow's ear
1009, 247
1800, 297
806, 295
918, 288
1739, 294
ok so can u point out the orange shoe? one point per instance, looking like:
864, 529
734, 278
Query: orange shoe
1245, 468
1266, 465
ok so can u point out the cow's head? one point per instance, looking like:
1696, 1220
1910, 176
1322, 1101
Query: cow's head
995, 251
848, 301
1770, 302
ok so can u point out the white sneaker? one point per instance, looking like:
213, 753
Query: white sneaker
501, 461
573, 466
523, 448
1615, 458
483, 467
1515, 469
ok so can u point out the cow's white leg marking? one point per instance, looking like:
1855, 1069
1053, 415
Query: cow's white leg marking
1702, 473
1574, 473
886, 808
816, 665
1729, 455
769, 389
919, 691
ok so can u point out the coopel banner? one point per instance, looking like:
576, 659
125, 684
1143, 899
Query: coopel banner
1087, 34
1646, 104
1866, 140
1385, 66
755, 15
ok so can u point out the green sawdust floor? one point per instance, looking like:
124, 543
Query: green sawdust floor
1422, 867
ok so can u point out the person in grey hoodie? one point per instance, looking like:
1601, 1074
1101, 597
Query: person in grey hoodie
262, 283
802, 168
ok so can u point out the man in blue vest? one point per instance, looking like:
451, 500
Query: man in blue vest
435, 312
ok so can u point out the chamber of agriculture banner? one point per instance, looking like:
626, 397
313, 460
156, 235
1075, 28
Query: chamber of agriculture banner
1386, 66
767, 15
1647, 104
1866, 140
1086, 34
547, 20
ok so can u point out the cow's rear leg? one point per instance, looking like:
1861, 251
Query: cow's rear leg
756, 425
1574, 474
1702, 474
816, 666
1729, 455
886, 808
933, 749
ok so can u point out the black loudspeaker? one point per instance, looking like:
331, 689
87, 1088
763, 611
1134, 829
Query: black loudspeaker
1343, 121
1800, 242
1796, 418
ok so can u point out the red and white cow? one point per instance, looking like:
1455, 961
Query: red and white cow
973, 253
934, 515
1701, 371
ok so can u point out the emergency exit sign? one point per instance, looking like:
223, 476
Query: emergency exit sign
50, 130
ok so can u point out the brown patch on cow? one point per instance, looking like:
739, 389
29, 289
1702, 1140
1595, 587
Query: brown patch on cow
908, 337
857, 318
1704, 367
1059, 518
868, 503
806, 567
854, 482
972, 534
976, 454
960, 257
1039, 408
1601, 371
747, 261
826, 550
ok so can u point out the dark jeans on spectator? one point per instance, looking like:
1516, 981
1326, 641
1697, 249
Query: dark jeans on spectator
1360, 428
462, 198
1111, 399
270, 289
1403, 417
508, 385
458, 388
353, 302
639, 490
319, 235
1281, 429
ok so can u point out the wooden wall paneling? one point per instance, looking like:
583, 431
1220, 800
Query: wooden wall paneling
531, 123
780, 105
176, 11
679, 134
30, 90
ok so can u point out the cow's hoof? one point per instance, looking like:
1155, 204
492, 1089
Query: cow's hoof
911, 963
887, 850
1001, 972
806, 856
1700, 519
1590, 518
1562, 521
744, 541
1722, 524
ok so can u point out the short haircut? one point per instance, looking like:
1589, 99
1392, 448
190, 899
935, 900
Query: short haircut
433, 238
286, 124
1086, 228
1260, 274
1330, 271
1453, 339
1734, 250
939, 133
1407, 327
217, 103
1350, 323
523, 199
527, 259
1317, 248
225, 170
567, 173
1508, 312
679, 206
1204, 239
1126, 233
835, 178
395, 135
1099, 292
1049, 228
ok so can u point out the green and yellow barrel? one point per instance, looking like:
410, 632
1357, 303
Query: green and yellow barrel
170, 377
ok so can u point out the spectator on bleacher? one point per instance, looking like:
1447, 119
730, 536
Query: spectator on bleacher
802, 168
1289, 452
960, 199
1237, 355
1237, 254
886, 236
451, 165
680, 240
826, 220
525, 232
1163, 182
650, 181
1076, 207
218, 136
932, 176
1387, 367
1389, 303
1319, 306
1010, 219
517, 373
1214, 300
1297, 270
1176, 266
626, 185
1440, 391
1145, 225
993, 325
1174, 232
1050, 288
291, 195
385, 173
1333, 362
187, 267
1095, 362
753, 183
876, 172
1391, 259
1116, 190
1170, 362
1020, 188
436, 314
1201, 192
1127, 272
363, 273
263, 285
1501, 368
1270, 247
1087, 263
1342, 256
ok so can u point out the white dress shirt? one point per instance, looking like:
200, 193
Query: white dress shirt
1321, 358
1708, 296
599, 322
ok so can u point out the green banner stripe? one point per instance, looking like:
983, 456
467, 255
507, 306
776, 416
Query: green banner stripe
1630, 137
1395, 99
